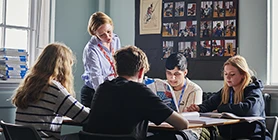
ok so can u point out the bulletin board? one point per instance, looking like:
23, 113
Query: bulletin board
206, 32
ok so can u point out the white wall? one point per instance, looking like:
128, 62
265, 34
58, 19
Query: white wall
71, 19
123, 14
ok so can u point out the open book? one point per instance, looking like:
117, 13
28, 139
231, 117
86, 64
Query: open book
229, 116
214, 118
164, 91
194, 117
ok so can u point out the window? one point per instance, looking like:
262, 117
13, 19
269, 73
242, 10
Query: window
20, 26
272, 49
1, 7
16, 24
272, 42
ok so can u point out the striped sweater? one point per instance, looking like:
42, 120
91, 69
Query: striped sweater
46, 114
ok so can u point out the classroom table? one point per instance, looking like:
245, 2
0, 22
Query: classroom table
165, 125
167, 128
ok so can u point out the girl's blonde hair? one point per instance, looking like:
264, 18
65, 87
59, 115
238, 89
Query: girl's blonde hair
96, 20
240, 63
54, 63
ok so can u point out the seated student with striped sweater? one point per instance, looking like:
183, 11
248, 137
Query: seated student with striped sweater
46, 93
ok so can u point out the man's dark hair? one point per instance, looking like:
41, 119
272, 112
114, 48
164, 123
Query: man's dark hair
129, 60
176, 60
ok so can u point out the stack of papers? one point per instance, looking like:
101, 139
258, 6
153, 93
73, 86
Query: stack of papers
13, 63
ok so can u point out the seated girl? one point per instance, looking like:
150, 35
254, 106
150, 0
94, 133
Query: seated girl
46, 93
240, 95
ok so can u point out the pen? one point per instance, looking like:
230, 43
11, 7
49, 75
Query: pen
194, 96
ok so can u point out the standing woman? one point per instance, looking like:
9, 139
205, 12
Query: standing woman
46, 93
240, 95
98, 55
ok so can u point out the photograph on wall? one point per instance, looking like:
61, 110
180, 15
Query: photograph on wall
205, 48
205, 29
167, 48
150, 16
217, 48
218, 28
168, 9
179, 9
219, 9
191, 9
187, 28
230, 48
206, 9
230, 8
170, 29
188, 49
230, 27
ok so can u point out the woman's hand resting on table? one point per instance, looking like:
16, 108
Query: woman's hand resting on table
193, 107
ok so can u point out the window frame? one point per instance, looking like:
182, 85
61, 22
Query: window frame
37, 37
270, 87
30, 27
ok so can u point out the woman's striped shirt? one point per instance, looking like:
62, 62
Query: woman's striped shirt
46, 114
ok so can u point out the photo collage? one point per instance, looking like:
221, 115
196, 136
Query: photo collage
200, 28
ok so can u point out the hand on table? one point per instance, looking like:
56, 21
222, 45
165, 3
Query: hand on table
193, 107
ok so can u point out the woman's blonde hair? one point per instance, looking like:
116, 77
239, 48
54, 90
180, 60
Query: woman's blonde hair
96, 20
54, 63
240, 63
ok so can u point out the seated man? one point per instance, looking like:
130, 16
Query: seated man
125, 105
186, 91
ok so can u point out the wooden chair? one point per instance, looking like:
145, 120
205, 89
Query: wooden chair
19, 132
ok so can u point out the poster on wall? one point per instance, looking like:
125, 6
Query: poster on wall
200, 28
150, 16
205, 31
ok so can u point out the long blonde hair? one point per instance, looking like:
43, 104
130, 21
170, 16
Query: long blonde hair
54, 63
240, 63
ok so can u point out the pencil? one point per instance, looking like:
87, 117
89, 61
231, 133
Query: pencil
194, 97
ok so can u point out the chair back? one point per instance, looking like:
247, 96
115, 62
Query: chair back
267, 99
95, 136
19, 132
4, 130
271, 125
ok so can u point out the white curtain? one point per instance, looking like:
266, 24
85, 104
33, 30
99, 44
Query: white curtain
45, 26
